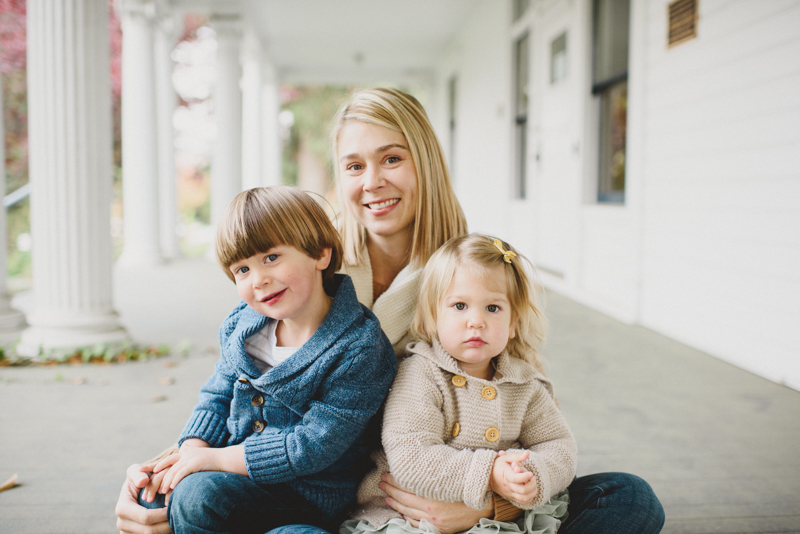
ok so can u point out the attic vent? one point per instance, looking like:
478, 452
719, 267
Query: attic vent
682, 21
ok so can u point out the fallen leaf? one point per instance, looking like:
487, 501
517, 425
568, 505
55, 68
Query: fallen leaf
169, 364
77, 381
158, 398
166, 380
10, 483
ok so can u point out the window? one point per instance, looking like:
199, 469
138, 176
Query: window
521, 88
452, 88
520, 6
610, 86
558, 58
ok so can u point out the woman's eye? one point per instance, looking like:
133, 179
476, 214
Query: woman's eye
460, 306
270, 258
492, 308
355, 167
392, 159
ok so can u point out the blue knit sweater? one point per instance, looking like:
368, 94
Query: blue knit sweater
302, 422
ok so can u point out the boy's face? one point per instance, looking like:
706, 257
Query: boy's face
281, 283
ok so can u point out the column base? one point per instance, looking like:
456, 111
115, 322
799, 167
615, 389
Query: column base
36, 339
12, 323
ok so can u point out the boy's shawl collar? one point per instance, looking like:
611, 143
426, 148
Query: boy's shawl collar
344, 310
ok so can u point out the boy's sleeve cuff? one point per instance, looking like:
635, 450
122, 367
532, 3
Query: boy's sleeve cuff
208, 426
267, 459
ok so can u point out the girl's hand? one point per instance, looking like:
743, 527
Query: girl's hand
511, 480
448, 517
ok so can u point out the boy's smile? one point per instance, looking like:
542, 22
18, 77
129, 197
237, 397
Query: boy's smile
285, 284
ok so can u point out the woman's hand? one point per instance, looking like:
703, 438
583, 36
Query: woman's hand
448, 517
132, 518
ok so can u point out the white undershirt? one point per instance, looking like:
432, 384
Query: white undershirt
263, 348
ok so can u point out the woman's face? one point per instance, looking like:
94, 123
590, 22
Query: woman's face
378, 178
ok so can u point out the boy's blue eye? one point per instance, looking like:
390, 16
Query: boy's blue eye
243, 270
460, 306
270, 258
492, 308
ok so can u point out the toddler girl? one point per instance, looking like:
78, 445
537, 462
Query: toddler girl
470, 415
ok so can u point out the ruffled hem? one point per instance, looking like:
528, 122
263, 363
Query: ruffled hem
543, 520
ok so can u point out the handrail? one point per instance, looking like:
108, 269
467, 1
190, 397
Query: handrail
19, 194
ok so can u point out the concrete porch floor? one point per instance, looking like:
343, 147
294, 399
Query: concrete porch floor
718, 444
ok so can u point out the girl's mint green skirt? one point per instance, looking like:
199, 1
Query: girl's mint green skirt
543, 520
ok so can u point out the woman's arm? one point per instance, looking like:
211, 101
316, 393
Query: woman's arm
447, 517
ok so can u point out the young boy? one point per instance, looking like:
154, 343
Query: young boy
277, 436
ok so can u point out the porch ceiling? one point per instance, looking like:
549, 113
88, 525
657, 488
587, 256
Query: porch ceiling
355, 41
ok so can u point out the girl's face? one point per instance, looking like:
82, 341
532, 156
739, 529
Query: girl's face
474, 319
378, 178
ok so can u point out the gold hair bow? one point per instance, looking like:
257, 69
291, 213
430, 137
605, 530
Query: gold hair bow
507, 254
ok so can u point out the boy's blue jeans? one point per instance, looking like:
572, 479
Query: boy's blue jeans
605, 503
212, 501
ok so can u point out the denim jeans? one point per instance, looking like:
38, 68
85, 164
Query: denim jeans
612, 502
212, 501
603, 503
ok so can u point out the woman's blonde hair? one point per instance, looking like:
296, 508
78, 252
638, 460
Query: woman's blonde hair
438, 214
264, 217
477, 251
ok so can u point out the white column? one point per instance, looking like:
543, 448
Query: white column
139, 135
226, 166
69, 136
251, 113
167, 100
11, 320
272, 148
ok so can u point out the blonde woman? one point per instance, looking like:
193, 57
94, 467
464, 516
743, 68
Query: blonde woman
399, 208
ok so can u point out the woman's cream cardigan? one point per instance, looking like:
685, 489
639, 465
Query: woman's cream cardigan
395, 307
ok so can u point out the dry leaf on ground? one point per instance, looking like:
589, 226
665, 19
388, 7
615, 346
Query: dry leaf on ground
166, 380
10, 483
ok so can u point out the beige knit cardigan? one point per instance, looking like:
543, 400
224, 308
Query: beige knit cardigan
423, 455
395, 307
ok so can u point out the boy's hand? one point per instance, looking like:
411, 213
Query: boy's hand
193, 458
153, 485
511, 480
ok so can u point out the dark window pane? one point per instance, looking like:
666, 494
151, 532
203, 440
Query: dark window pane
611, 38
520, 6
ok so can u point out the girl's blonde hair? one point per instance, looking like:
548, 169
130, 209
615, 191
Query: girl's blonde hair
438, 215
477, 251
264, 217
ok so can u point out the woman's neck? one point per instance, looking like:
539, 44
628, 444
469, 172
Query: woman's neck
388, 256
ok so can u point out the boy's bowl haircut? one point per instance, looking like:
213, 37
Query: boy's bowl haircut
261, 218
